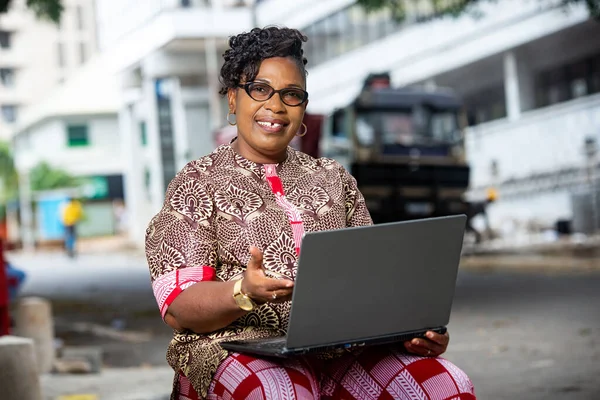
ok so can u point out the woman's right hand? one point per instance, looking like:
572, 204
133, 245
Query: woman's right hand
261, 288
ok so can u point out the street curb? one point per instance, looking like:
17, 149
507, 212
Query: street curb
529, 263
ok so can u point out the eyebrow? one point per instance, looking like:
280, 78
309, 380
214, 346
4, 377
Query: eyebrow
291, 85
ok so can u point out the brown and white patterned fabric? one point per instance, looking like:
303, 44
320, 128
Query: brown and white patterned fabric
216, 208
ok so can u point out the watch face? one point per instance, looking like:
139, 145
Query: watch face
244, 303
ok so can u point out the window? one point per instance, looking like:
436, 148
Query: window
320, 52
310, 45
143, 133
579, 84
333, 34
148, 182
82, 53
186, 3
348, 29
5, 39
347, 36
60, 54
358, 21
568, 81
9, 113
377, 22
77, 135
595, 75
486, 105
80, 18
7, 77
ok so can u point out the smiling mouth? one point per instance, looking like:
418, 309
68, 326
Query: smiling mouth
272, 125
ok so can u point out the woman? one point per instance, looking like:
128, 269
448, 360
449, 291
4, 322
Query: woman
223, 250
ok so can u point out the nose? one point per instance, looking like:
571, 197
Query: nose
274, 104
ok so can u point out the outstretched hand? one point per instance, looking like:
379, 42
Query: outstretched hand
261, 288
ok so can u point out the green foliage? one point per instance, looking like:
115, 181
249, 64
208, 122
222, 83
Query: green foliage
50, 10
8, 174
45, 177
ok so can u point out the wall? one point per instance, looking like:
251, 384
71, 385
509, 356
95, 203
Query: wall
47, 141
198, 131
34, 52
32, 55
547, 139
422, 51
297, 14
138, 31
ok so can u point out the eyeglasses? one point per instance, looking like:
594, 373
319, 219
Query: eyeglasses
259, 91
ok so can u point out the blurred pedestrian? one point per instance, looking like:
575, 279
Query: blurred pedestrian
71, 214
120, 214
480, 208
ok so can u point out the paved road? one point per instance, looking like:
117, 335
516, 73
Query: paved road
521, 336
528, 336
114, 279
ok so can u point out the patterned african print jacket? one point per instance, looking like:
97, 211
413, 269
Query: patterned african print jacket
219, 206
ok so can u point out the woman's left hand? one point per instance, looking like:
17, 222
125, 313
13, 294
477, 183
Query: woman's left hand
432, 345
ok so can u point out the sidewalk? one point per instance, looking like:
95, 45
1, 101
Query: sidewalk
112, 384
574, 254
574, 245
530, 263
104, 278
535, 252
110, 276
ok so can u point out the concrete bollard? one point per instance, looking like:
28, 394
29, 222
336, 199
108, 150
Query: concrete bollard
19, 379
34, 321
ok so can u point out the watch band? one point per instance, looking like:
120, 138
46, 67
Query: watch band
243, 301
237, 288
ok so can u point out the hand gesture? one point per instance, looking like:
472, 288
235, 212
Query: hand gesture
261, 288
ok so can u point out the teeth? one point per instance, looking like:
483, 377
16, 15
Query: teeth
270, 124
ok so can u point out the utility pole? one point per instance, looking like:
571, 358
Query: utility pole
591, 152
212, 73
253, 13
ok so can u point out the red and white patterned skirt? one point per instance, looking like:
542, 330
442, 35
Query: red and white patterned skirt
379, 373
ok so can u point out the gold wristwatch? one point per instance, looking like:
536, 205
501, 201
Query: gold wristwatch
243, 301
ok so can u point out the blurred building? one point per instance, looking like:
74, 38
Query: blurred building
166, 55
75, 128
36, 56
528, 73
529, 76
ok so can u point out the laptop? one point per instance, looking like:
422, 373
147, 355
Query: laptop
369, 285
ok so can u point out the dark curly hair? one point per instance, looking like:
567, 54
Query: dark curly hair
247, 50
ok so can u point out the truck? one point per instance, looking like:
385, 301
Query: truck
405, 147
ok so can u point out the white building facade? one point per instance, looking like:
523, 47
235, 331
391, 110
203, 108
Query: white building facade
529, 77
36, 56
74, 129
166, 55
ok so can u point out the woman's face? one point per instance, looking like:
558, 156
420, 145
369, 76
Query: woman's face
265, 128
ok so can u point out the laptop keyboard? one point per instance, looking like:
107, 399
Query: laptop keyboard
275, 343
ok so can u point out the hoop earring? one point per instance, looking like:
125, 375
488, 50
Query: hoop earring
305, 130
234, 123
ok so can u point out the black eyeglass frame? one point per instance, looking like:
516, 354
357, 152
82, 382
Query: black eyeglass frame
246, 87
